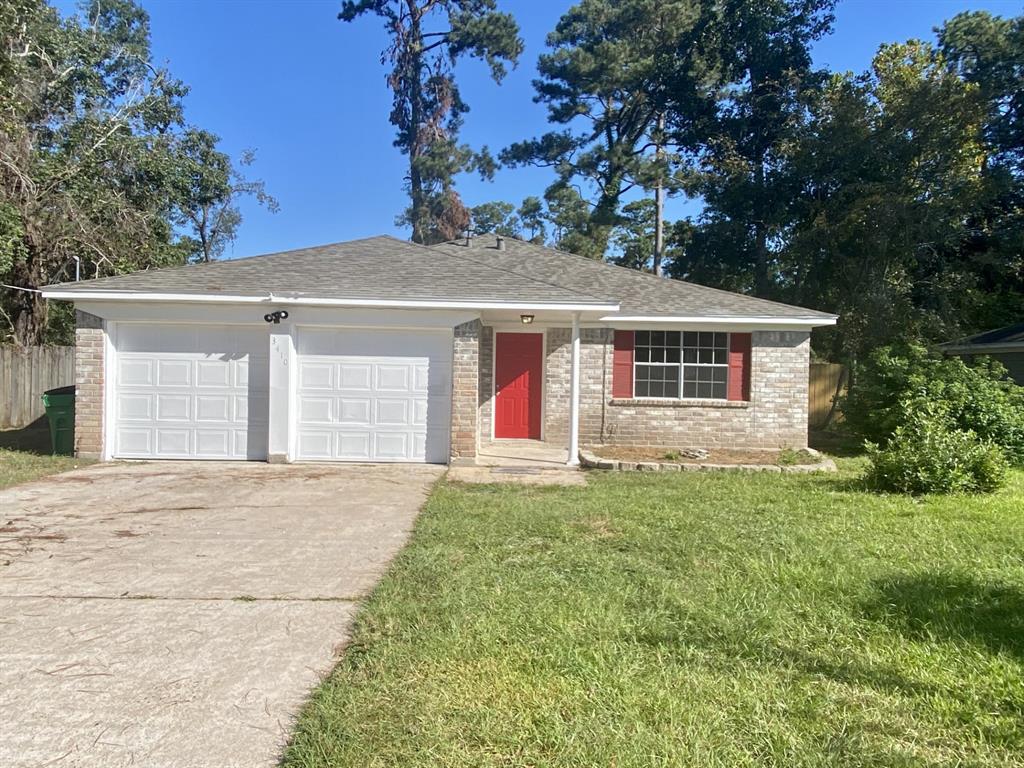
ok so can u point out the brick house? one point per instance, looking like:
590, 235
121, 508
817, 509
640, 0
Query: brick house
382, 350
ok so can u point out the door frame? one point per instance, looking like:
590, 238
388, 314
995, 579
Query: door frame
520, 328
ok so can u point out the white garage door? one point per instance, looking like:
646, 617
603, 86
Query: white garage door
191, 392
374, 395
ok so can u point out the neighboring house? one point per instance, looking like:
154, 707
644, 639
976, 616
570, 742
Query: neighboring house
383, 350
1003, 344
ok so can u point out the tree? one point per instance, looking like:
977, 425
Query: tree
206, 188
531, 218
633, 238
497, 218
427, 109
893, 172
740, 133
90, 162
603, 82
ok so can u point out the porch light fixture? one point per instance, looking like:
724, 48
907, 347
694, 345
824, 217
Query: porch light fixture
526, 319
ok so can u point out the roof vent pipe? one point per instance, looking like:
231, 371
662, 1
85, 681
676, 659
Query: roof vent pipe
501, 243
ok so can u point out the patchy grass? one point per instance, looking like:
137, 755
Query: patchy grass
688, 619
22, 466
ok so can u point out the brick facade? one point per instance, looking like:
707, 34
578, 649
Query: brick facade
88, 385
465, 391
775, 416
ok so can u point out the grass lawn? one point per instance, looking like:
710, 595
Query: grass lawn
22, 466
688, 619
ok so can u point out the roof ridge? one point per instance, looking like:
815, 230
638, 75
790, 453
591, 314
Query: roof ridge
661, 280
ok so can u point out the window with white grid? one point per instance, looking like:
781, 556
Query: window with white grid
681, 364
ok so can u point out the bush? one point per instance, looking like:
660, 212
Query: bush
976, 398
927, 453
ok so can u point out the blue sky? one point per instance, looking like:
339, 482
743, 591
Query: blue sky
308, 93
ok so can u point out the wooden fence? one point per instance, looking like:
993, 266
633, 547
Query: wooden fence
27, 372
827, 380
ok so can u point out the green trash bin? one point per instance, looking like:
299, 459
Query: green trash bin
60, 410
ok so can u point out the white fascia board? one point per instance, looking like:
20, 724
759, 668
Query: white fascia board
316, 302
756, 322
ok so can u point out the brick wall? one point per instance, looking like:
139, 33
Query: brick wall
88, 385
775, 416
465, 390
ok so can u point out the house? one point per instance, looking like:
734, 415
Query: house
382, 350
1003, 344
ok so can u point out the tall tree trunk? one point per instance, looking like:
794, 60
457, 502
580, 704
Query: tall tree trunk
659, 204
417, 195
28, 307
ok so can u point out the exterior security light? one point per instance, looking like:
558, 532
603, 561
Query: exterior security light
276, 317
526, 319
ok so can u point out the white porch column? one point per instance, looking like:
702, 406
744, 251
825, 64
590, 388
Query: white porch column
282, 364
574, 395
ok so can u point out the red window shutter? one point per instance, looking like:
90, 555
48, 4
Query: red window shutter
622, 364
739, 366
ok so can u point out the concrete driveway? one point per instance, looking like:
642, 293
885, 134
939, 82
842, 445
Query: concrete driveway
177, 614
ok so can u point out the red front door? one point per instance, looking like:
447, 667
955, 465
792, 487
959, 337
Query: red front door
518, 368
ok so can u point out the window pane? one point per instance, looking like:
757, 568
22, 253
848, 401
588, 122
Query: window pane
657, 338
719, 391
721, 375
706, 339
720, 357
705, 356
721, 340
672, 354
643, 338
643, 354
689, 390
704, 390
690, 339
671, 389
672, 338
641, 389
689, 355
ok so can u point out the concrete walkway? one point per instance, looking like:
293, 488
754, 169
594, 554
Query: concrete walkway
178, 614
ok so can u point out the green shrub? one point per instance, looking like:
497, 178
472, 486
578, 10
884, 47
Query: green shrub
927, 453
977, 398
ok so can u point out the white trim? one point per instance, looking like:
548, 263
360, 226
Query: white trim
521, 328
108, 418
573, 458
272, 299
768, 321
292, 436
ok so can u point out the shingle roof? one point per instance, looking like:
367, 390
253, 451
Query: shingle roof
385, 268
639, 293
380, 268
1011, 334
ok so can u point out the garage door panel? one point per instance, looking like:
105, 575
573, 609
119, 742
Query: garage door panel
191, 392
313, 375
135, 407
315, 445
354, 410
391, 395
131, 372
135, 442
393, 378
215, 408
214, 442
353, 445
215, 373
173, 443
392, 412
355, 376
396, 446
173, 407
